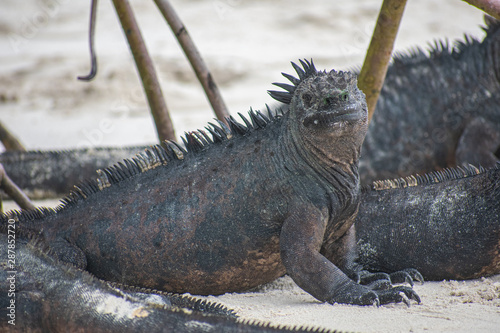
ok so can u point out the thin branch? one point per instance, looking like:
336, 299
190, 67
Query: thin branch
93, 58
146, 70
372, 75
194, 58
14, 192
9, 141
490, 7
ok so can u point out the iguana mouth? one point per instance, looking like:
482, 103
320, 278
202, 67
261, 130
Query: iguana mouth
324, 119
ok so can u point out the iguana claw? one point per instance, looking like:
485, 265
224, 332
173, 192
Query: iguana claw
397, 295
408, 275
406, 300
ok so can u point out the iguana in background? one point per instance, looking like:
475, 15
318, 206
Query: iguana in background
429, 113
47, 174
445, 224
235, 210
44, 294
437, 111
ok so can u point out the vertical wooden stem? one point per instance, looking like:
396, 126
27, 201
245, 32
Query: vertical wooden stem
14, 192
146, 70
490, 7
194, 58
9, 141
372, 75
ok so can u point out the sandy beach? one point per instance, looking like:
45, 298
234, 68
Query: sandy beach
246, 44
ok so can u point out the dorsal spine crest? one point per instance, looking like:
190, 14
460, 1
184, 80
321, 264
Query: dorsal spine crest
429, 178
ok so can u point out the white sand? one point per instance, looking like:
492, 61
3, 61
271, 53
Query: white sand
43, 47
456, 306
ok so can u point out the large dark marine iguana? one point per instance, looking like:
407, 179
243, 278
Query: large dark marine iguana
429, 114
43, 294
235, 213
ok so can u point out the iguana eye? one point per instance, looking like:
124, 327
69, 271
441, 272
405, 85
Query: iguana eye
344, 96
329, 100
307, 98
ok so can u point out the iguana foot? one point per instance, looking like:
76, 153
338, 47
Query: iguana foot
357, 294
382, 285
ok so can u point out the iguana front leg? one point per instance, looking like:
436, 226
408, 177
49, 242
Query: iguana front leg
300, 241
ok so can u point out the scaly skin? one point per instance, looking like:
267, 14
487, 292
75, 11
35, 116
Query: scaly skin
234, 214
446, 224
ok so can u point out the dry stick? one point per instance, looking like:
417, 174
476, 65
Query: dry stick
194, 58
14, 192
372, 75
491, 7
93, 58
9, 141
146, 70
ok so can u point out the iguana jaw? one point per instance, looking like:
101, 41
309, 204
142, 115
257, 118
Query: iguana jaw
323, 119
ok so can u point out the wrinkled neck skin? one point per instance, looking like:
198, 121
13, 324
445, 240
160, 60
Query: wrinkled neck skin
332, 152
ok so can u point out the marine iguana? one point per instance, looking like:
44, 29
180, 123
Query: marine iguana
234, 213
429, 113
437, 111
43, 294
445, 224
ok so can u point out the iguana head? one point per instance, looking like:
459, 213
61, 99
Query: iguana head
326, 110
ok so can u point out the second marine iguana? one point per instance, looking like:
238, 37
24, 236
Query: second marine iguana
43, 294
446, 224
437, 111
231, 214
